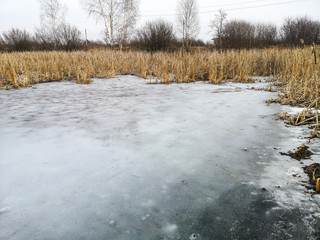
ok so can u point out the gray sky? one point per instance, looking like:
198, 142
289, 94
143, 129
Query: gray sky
25, 14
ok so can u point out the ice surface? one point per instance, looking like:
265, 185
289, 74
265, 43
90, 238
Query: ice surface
122, 159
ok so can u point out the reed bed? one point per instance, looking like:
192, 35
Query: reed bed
23, 69
294, 71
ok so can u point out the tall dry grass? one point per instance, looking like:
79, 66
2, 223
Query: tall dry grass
216, 67
293, 69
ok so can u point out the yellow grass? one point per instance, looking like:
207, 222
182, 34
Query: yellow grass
215, 67
293, 70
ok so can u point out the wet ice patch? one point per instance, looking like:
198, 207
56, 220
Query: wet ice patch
137, 161
170, 228
5, 210
112, 222
145, 217
283, 178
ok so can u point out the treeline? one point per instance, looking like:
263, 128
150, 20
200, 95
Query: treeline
294, 32
159, 35
66, 37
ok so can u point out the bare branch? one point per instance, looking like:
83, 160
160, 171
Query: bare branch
188, 20
52, 15
217, 25
18, 40
119, 17
155, 36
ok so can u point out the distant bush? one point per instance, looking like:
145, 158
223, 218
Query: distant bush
44, 40
69, 37
266, 35
155, 36
300, 30
18, 40
159, 35
238, 34
2, 44
243, 34
66, 37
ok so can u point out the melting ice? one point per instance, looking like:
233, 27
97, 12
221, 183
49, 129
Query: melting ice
122, 159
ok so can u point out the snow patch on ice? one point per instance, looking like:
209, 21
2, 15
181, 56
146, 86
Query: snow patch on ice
112, 222
170, 228
143, 218
284, 182
5, 210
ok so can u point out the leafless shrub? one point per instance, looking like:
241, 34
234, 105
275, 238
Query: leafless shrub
294, 30
266, 35
119, 17
69, 37
238, 34
188, 20
52, 16
43, 39
217, 26
18, 40
155, 36
2, 44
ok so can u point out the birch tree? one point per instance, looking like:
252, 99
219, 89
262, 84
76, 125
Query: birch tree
118, 16
188, 20
129, 10
52, 15
217, 25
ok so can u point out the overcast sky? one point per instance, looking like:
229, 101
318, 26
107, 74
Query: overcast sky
25, 14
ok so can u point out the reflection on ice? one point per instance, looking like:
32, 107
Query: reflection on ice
121, 159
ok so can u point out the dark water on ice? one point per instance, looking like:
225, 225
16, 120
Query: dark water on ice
120, 159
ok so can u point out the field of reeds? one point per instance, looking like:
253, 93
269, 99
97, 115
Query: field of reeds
294, 71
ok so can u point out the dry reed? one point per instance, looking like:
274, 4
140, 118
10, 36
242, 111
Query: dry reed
19, 69
294, 70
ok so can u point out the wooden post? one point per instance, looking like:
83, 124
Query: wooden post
86, 39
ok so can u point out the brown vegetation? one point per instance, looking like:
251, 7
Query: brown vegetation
313, 172
294, 70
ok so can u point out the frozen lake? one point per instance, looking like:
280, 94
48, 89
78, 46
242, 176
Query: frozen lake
122, 159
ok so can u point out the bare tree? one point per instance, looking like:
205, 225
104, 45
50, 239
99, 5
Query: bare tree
43, 39
129, 11
155, 36
238, 34
69, 37
2, 44
52, 15
119, 17
294, 30
217, 25
18, 40
188, 20
107, 11
266, 34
